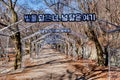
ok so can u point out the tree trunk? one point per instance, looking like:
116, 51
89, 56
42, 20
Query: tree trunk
17, 40
18, 58
99, 52
92, 36
106, 56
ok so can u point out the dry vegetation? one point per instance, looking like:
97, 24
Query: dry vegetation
97, 42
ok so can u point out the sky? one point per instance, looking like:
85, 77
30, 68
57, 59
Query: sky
40, 5
35, 4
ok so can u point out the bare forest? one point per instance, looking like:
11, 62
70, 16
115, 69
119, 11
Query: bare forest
91, 51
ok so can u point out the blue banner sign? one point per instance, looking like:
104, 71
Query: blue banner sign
62, 18
62, 30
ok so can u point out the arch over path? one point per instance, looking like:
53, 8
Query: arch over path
65, 39
23, 39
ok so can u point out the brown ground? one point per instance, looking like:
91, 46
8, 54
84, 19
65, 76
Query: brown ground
52, 65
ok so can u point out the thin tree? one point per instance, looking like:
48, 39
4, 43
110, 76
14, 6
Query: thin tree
10, 5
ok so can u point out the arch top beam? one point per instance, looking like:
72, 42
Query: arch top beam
57, 41
43, 37
64, 37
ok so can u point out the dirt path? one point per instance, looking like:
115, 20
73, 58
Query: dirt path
52, 65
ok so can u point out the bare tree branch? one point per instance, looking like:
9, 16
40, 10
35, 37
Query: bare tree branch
14, 3
46, 3
108, 23
10, 4
50, 6
111, 31
4, 34
4, 3
3, 24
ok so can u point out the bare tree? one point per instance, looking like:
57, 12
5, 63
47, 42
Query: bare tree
10, 5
